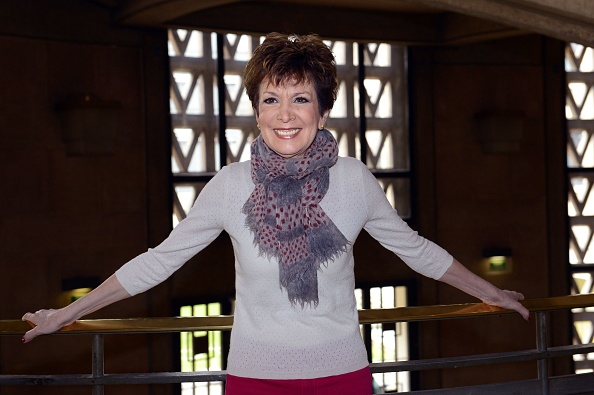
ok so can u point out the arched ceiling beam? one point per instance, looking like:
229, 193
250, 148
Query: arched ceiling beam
421, 22
374, 20
571, 21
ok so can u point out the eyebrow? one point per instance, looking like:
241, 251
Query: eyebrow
294, 94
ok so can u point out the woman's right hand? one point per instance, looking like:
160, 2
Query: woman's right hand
45, 322
50, 321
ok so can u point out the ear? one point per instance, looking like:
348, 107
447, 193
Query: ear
323, 119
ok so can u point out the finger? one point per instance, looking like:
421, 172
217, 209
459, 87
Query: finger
523, 312
514, 294
518, 295
30, 335
516, 305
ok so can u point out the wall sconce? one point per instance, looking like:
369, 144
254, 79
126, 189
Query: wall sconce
77, 287
88, 125
499, 132
497, 260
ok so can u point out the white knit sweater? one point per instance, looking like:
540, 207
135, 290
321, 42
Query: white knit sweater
271, 338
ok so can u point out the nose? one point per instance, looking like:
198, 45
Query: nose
285, 113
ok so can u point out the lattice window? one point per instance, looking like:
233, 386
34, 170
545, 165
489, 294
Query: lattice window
388, 342
579, 110
206, 70
201, 351
194, 117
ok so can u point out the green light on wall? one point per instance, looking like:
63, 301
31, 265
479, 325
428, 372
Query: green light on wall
497, 263
497, 260
77, 287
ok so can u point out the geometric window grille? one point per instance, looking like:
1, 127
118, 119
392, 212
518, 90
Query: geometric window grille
369, 123
379, 137
388, 342
201, 351
579, 113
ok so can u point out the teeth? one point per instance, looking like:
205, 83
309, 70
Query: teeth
286, 132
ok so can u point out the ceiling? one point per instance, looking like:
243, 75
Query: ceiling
410, 22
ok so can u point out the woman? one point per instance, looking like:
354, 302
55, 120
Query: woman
293, 213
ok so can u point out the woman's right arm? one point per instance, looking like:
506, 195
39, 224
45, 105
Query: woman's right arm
204, 223
49, 321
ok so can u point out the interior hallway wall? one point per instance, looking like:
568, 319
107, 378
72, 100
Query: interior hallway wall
64, 216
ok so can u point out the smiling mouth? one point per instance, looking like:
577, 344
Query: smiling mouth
287, 132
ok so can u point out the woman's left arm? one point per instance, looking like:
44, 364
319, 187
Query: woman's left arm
460, 277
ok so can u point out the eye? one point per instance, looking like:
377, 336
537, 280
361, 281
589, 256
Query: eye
301, 99
269, 100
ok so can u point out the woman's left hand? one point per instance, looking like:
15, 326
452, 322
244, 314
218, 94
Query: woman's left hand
460, 277
509, 300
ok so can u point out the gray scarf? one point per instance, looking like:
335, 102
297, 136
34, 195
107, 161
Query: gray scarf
285, 216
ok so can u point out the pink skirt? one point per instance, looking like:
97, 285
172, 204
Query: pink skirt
354, 383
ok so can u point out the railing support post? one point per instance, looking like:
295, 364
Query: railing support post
98, 363
542, 346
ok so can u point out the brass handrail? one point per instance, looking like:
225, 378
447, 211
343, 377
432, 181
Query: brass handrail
544, 384
400, 314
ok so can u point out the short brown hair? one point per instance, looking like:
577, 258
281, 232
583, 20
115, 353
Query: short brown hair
286, 57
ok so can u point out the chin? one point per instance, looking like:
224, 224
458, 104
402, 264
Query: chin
289, 155
288, 152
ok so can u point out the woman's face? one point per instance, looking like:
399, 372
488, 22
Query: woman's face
289, 117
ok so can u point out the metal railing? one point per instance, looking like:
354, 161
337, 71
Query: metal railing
544, 384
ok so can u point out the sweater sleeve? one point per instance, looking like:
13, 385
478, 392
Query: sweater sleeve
385, 225
204, 222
